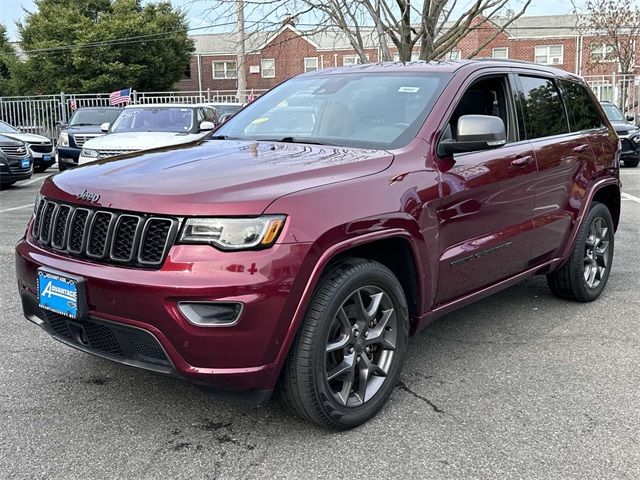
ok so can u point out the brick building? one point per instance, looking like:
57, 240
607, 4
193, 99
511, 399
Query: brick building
275, 56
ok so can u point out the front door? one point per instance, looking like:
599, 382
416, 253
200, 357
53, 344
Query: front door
486, 227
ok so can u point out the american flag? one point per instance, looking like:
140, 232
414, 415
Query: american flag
120, 96
73, 105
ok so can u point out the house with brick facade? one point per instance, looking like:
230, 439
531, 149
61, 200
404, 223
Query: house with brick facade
272, 57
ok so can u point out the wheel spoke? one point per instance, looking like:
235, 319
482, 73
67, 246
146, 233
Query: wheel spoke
377, 334
343, 367
339, 344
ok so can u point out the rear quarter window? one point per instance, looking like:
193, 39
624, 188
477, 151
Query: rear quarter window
544, 114
583, 114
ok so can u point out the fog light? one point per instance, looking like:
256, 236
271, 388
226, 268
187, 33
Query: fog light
211, 314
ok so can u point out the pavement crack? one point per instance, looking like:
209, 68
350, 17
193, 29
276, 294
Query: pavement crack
403, 386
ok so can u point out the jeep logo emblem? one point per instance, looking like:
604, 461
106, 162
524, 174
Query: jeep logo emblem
88, 196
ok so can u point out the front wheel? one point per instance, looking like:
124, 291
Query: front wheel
349, 351
585, 274
40, 168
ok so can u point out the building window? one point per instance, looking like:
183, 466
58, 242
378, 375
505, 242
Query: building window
454, 54
310, 64
268, 67
549, 54
501, 52
222, 70
352, 60
603, 53
414, 57
186, 75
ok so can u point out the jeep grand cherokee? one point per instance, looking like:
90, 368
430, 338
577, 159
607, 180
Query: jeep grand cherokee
300, 260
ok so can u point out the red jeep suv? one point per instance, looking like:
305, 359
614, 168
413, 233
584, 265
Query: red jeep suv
299, 246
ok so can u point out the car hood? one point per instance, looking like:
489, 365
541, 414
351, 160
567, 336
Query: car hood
215, 177
624, 128
28, 137
7, 141
139, 140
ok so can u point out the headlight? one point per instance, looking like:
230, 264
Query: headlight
233, 233
63, 141
636, 139
87, 152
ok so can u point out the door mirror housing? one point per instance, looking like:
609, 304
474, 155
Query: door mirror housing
476, 132
207, 126
630, 118
105, 127
224, 118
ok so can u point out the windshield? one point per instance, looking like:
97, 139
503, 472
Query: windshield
612, 113
93, 116
6, 128
161, 119
224, 109
368, 110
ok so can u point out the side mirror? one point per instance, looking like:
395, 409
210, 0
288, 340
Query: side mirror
105, 127
224, 118
61, 125
630, 118
207, 126
476, 132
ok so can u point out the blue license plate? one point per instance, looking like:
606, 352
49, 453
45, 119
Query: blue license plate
26, 163
46, 158
58, 294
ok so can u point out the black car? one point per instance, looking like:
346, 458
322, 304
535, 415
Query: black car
16, 161
84, 125
629, 134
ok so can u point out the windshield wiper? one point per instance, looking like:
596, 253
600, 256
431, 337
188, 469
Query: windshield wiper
294, 140
83, 124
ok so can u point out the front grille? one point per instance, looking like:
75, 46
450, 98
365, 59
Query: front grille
115, 340
113, 153
104, 235
15, 151
81, 139
41, 148
626, 144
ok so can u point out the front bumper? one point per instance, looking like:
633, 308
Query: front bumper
240, 357
630, 146
41, 159
68, 155
11, 171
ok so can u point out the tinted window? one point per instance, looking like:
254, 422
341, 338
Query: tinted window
583, 114
370, 110
612, 113
543, 110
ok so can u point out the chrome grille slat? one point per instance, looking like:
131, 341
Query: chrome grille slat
113, 153
15, 151
101, 235
81, 139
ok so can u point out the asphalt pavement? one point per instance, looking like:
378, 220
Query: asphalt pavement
520, 385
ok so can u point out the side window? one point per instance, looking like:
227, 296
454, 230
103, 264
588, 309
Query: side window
544, 113
201, 115
488, 96
583, 114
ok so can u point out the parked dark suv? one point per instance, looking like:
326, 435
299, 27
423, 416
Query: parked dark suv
84, 125
629, 134
16, 161
257, 260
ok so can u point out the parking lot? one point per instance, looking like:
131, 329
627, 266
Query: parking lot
520, 385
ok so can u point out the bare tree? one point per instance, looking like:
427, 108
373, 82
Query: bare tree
616, 26
433, 27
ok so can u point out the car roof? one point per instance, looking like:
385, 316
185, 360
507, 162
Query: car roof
440, 66
165, 105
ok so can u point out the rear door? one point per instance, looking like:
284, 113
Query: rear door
486, 228
560, 154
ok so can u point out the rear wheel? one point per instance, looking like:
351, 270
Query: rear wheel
585, 274
347, 356
632, 163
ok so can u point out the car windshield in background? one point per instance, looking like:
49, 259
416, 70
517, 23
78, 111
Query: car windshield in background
93, 116
352, 110
613, 113
6, 128
224, 109
162, 119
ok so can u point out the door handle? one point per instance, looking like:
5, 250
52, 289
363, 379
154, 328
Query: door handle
581, 148
522, 161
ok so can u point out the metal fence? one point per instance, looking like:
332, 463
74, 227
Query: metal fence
42, 114
623, 90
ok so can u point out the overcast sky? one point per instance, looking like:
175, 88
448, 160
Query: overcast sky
13, 11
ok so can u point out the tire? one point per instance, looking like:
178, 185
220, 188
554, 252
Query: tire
40, 168
62, 166
6, 185
583, 276
631, 163
360, 344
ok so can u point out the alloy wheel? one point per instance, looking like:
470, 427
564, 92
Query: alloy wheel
596, 254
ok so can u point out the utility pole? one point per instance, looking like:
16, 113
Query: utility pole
240, 62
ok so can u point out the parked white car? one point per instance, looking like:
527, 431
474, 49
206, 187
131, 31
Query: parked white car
143, 127
40, 147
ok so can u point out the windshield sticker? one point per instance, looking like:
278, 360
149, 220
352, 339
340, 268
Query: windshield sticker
408, 89
260, 120
132, 113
